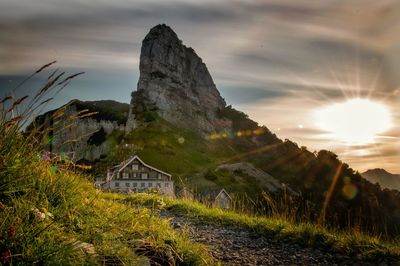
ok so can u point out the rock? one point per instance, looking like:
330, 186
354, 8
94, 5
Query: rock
85, 247
174, 79
71, 135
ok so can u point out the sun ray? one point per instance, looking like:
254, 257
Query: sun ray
329, 194
374, 82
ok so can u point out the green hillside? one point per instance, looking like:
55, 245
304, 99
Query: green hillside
192, 158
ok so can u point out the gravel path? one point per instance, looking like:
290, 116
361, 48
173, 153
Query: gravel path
232, 245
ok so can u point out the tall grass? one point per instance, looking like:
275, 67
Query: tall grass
351, 243
51, 215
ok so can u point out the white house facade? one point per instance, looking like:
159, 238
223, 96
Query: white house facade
133, 175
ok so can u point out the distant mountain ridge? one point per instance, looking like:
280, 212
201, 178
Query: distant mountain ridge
383, 177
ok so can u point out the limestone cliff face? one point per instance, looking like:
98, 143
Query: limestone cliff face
175, 80
81, 130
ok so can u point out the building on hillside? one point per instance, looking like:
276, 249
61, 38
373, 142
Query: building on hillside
217, 197
134, 175
185, 193
99, 182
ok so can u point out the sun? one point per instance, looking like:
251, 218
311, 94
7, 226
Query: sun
355, 121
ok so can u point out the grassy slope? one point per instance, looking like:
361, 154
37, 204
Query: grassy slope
188, 156
47, 214
351, 243
180, 152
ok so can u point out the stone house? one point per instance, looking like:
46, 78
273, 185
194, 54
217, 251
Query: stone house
217, 197
134, 175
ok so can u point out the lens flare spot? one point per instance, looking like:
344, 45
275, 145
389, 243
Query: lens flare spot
349, 191
214, 136
258, 131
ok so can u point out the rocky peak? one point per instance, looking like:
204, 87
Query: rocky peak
175, 79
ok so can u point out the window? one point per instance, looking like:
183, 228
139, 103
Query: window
144, 175
127, 184
125, 175
116, 184
134, 175
150, 184
159, 176
166, 184
159, 185
135, 167
134, 184
142, 184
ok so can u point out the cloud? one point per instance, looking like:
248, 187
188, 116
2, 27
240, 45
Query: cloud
277, 60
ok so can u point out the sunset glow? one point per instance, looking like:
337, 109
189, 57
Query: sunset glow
355, 122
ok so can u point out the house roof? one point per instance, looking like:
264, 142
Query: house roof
214, 193
184, 189
127, 162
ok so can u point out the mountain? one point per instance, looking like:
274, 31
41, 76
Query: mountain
383, 178
174, 80
178, 122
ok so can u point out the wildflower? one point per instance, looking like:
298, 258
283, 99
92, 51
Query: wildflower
5, 256
46, 213
11, 232
46, 156
39, 214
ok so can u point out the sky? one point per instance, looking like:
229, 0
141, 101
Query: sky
279, 61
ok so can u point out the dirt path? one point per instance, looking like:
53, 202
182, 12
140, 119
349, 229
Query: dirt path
232, 245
